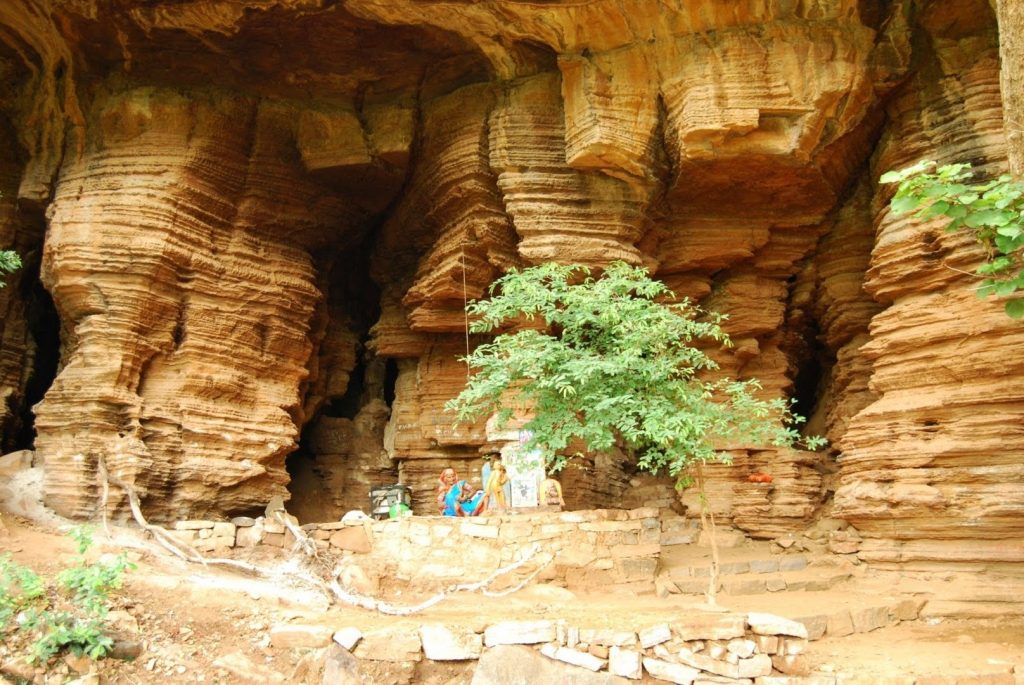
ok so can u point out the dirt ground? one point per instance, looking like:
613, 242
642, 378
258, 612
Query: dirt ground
205, 625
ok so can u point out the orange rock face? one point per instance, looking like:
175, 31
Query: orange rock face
177, 258
930, 469
263, 222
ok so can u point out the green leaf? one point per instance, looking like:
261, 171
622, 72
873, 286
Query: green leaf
891, 177
902, 205
1005, 288
937, 208
617, 366
988, 217
1015, 308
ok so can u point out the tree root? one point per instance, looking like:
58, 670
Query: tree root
307, 546
383, 607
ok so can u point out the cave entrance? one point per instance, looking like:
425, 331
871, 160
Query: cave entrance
339, 453
43, 326
310, 500
808, 384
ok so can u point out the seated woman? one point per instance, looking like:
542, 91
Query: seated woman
445, 482
463, 500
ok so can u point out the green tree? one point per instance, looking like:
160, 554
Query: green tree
612, 362
993, 211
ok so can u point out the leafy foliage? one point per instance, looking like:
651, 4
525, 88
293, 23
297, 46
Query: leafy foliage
993, 211
69, 614
9, 263
612, 361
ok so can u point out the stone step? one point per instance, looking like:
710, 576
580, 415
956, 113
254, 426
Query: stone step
764, 565
958, 595
747, 584
831, 613
946, 608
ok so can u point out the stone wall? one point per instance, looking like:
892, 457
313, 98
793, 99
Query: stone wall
590, 549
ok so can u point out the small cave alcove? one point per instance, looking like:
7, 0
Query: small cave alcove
340, 453
811, 379
42, 325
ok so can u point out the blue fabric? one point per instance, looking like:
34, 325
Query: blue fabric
451, 500
452, 506
469, 507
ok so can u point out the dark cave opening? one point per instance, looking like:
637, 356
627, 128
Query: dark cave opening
390, 380
347, 405
807, 385
43, 324
317, 469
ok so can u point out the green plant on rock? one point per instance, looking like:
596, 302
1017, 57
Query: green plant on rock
65, 613
614, 362
992, 210
9, 263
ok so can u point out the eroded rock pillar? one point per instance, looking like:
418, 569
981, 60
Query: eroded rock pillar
185, 308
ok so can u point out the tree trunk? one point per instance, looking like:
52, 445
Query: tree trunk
1010, 14
707, 524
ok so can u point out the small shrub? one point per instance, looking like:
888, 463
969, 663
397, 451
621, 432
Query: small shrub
65, 613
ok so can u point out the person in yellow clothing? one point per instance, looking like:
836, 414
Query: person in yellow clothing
495, 487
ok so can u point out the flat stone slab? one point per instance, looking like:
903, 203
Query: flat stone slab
770, 624
288, 636
519, 665
390, 644
655, 635
573, 657
441, 643
711, 627
673, 673
519, 633
353, 539
626, 663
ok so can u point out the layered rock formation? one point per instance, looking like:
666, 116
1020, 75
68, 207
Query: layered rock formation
265, 220
931, 469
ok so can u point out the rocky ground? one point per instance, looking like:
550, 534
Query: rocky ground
183, 622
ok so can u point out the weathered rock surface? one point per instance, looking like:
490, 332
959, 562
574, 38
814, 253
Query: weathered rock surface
186, 326
264, 221
928, 470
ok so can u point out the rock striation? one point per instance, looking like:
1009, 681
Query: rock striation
177, 257
929, 468
259, 224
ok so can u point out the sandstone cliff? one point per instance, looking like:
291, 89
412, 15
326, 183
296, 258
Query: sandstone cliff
263, 219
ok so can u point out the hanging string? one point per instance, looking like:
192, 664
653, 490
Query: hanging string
465, 305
